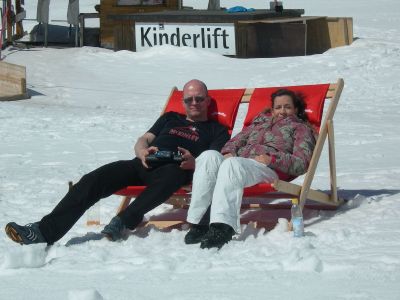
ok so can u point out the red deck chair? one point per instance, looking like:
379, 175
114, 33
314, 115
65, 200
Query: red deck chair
314, 96
223, 108
260, 195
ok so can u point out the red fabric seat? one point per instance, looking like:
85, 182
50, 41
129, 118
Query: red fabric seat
314, 97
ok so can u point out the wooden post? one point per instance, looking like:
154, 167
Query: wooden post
332, 161
124, 203
19, 30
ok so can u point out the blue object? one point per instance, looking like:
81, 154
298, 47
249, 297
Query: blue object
239, 9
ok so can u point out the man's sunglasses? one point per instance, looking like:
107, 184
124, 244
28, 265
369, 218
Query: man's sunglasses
197, 99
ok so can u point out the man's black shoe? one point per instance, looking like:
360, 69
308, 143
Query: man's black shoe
114, 230
196, 234
218, 235
26, 234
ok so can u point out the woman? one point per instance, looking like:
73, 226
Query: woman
278, 144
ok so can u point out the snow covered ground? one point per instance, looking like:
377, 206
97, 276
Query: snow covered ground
88, 107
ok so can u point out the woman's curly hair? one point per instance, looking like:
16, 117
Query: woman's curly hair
298, 102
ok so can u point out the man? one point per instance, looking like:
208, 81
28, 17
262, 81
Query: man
190, 134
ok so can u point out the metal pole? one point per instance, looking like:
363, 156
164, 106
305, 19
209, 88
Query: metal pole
305, 38
46, 32
77, 36
3, 14
81, 23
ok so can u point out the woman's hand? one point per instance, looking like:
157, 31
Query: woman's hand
263, 158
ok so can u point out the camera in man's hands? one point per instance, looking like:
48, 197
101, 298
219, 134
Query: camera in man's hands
164, 156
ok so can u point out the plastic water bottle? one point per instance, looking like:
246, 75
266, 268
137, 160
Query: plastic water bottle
297, 218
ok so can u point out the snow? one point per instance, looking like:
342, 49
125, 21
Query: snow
88, 107
89, 294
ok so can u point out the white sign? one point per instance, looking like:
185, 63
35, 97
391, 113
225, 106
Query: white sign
218, 38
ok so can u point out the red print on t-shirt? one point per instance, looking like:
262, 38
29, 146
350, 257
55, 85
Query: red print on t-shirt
188, 132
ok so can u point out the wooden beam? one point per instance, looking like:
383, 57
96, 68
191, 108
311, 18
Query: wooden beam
179, 201
282, 20
19, 30
332, 161
295, 190
165, 224
124, 203
320, 143
247, 95
169, 97
331, 91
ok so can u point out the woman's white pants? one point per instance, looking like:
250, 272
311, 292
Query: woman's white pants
220, 182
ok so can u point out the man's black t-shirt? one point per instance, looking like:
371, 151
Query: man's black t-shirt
173, 130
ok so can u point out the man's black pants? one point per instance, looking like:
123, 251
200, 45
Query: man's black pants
161, 183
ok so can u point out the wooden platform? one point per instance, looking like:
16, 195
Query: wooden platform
202, 23
305, 35
259, 33
12, 82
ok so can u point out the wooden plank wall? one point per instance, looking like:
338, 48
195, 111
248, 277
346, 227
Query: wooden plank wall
329, 32
12, 82
292, 36
318, 39
340, 31
124, 36
259, 39
110, 27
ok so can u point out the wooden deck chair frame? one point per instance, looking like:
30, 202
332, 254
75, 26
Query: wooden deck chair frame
280, 188
304, 191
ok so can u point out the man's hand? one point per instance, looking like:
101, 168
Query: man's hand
189, 161
142, 148
143, 153
263, 158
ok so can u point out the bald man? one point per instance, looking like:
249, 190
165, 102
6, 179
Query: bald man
191, 134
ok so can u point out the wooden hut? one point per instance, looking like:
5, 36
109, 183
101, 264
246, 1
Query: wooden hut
110, 28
